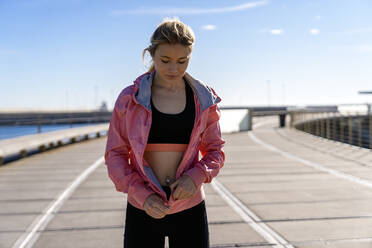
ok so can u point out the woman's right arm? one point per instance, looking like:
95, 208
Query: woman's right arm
121, 172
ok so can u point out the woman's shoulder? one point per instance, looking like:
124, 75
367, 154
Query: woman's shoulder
206, 93
124, 98
200, 84
128, 92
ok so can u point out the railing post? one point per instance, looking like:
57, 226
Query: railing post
350, 124
307, 126
342, 129
312, 124
360, 131
328, 128
282, 120
370, 130
317, 127
334, 124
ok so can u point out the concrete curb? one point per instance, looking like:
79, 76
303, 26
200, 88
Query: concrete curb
20, 147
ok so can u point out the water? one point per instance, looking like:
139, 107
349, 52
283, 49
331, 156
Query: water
7, 132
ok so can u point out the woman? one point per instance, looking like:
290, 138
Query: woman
158, 126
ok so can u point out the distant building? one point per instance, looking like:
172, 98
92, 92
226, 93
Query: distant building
103, 107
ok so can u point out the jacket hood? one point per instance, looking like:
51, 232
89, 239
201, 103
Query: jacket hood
205, 94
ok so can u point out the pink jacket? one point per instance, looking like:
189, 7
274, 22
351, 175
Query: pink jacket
127, 138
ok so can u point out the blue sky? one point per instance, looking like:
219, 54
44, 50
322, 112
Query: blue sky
74, 54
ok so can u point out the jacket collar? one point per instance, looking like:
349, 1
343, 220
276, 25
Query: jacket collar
205, 94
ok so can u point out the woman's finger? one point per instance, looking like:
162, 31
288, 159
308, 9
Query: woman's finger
156, 213
185, 188
156, 208
183, 194
175, 193
174, 185
190, 184
164, 209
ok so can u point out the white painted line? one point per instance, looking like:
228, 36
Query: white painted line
28, 239
261, 123
333, 242
249, 217
317, 166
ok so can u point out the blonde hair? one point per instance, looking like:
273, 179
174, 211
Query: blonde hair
170, 31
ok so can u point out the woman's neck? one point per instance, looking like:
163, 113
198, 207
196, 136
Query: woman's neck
172, 86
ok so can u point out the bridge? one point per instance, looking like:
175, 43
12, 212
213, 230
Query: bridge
279, 187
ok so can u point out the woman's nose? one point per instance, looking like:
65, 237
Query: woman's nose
172, 67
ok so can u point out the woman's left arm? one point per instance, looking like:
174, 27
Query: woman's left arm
211, 148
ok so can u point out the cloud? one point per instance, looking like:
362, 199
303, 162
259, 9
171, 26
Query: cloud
276, 31
209, 27
189, 11
314, 31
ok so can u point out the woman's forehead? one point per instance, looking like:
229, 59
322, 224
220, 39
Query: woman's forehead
173, 51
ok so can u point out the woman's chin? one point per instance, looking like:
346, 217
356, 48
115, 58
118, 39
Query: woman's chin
171, 78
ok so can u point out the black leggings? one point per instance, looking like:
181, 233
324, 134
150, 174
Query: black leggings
188, 228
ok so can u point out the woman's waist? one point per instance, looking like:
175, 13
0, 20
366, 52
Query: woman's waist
163, 164
163, 159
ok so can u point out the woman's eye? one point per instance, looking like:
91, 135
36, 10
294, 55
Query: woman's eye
183, 62
164, 61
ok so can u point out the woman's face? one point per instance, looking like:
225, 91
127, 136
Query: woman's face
171, 61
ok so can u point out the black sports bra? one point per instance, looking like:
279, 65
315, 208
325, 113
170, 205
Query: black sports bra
173, 128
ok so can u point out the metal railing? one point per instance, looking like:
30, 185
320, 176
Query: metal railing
354, 128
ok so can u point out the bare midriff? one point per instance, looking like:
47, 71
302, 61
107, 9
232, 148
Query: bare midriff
164, 164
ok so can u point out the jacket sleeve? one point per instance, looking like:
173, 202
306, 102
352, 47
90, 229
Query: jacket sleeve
121, 172
211, 145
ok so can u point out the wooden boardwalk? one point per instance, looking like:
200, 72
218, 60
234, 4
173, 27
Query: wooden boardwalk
278, 188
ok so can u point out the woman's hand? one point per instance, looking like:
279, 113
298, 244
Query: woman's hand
155, 207
183, 188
